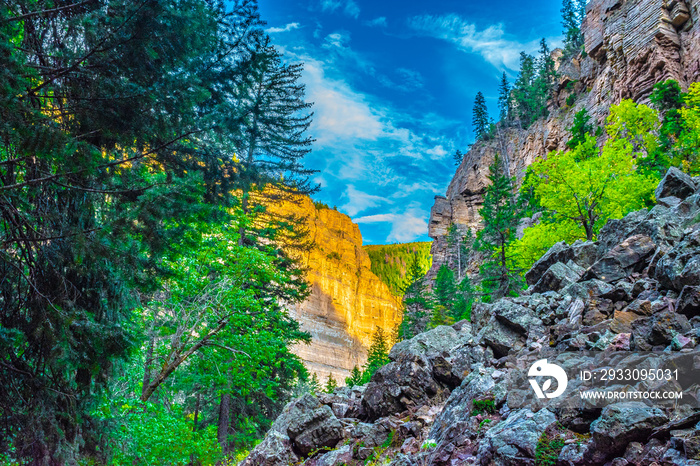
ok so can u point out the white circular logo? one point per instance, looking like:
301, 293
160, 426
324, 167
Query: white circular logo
542, 368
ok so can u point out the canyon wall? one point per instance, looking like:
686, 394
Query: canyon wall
630, 45
347, 300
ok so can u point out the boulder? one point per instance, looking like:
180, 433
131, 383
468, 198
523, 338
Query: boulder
632, 255
688, 302
557, 277
514, 440
312, 426
680, 267
587, 289
675, 183
420, 368
620, 424
581, 253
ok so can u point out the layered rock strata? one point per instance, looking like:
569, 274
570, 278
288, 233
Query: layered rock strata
347, 302
630, 45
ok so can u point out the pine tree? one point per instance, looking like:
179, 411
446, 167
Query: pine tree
573, 13
416, 301
523, 93
355, 377
315, 384
377, 356
580, 128
480, 116
331, 384
546, 75
501, 217
458, 157
504, 91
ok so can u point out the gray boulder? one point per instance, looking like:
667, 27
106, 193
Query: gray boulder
312, 426
514, 440
420, 368
631, 255
688, 302
581, 253
675, 183
620, 424
557, 277
680, 267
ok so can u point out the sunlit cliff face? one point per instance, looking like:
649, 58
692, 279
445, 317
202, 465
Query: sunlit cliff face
347, 300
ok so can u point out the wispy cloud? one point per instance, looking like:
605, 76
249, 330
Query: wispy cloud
349, 7
287, 28
492, 42
376, 22
359, 201
406, 226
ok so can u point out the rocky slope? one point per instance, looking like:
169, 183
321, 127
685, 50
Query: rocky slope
630, 45
459, 395
347, 300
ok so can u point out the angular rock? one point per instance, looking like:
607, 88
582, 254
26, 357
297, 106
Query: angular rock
312, 427
632, 255
680, 267
557, 277
587, 289
688, 302
620, 424
675, 183
514, 440
581, 253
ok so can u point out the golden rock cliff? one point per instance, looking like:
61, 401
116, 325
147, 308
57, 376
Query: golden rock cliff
347, 300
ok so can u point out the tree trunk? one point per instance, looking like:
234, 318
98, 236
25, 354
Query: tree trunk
147, 365
224, 421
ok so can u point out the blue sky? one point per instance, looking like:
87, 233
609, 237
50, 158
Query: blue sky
393, 82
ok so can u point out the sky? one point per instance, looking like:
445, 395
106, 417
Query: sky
393, 83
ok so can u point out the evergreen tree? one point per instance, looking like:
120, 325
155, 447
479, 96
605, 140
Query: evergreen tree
458, 157
523, 92
546, 76
377, 356
580, 128
573, 13
504, 91
480, 117
315, 384
331, 384
501, 217
355, 377
416, 302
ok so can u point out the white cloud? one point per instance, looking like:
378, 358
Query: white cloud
349, 7
376, 22
491, 43
359, 201
339, 40
405, 226
287, 28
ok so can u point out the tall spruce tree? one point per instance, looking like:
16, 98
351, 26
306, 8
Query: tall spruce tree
378, 354
480, 116
573, 13
504, 91
501, 217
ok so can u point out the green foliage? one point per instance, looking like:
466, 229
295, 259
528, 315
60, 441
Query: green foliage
688, 145
334, 256
573, 12
501, 216
378, 354
548, 450
355, 377
580, 129
392, 263
458, 157
534, 86
581, 189
331, 384
131, 141
504, 98
315, 385
480, 116
318, 205
149, 434
486, 406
